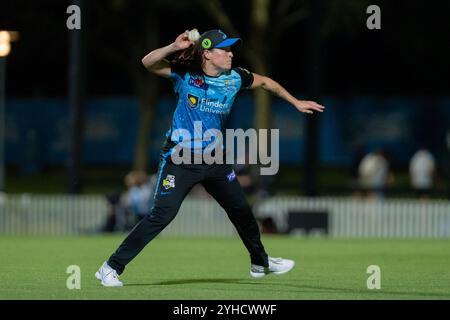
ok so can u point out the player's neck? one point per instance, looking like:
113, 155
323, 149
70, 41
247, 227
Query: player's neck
211, 70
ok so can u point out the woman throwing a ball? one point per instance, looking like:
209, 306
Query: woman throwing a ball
201, 73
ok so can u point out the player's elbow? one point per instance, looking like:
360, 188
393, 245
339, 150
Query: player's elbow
146, 63
266, 83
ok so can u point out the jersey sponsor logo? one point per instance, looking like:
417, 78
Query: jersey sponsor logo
198, 82
169, 182
214, 106
214, 103
206, 43
193, 100
230, 85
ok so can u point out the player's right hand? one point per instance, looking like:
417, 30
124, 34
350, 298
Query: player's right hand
182, 41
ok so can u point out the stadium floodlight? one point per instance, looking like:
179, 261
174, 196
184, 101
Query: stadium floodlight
5, 43
6, 37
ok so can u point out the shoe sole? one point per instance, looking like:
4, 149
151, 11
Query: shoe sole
277, 273
99, 277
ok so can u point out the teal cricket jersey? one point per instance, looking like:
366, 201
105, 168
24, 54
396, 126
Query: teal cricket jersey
203, 104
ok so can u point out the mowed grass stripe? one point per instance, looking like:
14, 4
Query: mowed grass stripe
218, 268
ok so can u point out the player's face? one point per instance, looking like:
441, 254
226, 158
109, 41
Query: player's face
222, 58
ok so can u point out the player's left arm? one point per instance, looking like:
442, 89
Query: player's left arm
274, 87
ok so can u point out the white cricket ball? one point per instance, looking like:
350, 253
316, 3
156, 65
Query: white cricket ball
194, 35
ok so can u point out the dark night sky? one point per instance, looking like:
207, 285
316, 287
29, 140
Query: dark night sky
409, 56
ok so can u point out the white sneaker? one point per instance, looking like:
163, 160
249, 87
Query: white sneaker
108, 276
276, 266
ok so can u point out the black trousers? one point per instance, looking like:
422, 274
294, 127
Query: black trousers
174, 183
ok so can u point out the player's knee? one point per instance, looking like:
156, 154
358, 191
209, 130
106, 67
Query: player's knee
241, 208
160, 216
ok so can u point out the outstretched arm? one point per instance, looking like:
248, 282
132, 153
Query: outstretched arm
156, 61
274, 87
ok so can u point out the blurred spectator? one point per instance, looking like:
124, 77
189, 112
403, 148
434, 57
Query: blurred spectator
250, 183
244, 174
358, 155
139, 197
113, 201
268, 226
125, 210
421, 171
244, 177
254, 191
374, 174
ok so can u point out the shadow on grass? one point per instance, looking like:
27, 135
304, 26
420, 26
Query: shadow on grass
190, 281
380, 292
300, 288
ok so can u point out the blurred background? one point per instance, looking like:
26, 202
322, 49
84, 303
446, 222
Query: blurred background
83, 121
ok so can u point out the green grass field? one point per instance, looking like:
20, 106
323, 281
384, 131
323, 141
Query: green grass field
196, 268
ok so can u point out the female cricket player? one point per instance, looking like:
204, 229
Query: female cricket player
205, 84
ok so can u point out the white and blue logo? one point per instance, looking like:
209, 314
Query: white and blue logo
231, 176
224, 36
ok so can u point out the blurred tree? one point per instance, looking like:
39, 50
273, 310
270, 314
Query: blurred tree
131, 31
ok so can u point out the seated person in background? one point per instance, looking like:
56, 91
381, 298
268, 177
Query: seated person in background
138, 199
251, 184
244, 176
421, 171
126, 209
113, 200
374, 175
